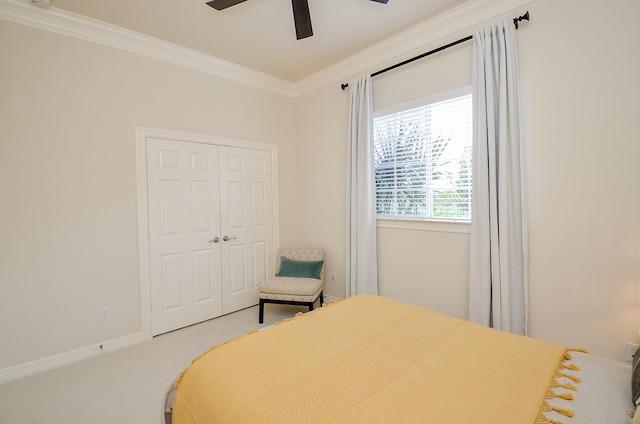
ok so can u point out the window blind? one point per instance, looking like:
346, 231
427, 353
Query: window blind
423, 161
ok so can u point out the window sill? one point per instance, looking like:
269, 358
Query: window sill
425, 225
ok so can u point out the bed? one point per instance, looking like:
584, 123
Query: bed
369, 359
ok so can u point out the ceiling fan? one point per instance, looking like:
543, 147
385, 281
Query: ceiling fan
301, 15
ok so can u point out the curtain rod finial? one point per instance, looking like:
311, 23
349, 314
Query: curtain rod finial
344, 86
524, 17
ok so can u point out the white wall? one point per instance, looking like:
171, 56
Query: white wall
322, 122
579, 88
68, 223
68, 218
579, 75
430, 266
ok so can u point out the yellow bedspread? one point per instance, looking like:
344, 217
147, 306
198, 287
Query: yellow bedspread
369, 359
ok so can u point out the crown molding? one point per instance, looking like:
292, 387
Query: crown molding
450, 25
81, 27
392, 50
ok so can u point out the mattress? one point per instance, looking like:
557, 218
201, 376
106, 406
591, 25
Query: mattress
450, 371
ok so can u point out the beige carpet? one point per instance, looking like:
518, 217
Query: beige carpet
127, 386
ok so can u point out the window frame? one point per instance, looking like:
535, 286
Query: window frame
419, 223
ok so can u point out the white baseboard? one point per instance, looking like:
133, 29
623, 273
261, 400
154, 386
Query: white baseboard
328, 299
39, 365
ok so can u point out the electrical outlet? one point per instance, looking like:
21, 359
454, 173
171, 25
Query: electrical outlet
632, 348
333, 277
104, 314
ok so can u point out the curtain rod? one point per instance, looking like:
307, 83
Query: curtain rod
413, 59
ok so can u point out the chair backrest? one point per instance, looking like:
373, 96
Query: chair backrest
302, 254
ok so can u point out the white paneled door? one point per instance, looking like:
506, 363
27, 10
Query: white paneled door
246, 197
184, 219
210, 230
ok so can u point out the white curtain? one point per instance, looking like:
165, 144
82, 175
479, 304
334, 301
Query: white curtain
498, 268
362, 263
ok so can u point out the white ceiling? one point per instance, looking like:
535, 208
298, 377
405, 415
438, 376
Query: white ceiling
260, 34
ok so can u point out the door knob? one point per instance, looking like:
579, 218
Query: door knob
214, 240
227, 238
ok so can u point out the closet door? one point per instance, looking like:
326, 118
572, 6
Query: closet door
184, 221
247, 224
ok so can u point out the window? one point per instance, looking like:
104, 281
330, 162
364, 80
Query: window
422, 157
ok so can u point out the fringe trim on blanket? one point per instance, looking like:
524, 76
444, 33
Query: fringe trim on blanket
551, 393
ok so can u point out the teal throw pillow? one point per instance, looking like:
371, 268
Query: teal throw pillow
300, 269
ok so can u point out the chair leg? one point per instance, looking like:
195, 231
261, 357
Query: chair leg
311, 306
321, 299
261, 313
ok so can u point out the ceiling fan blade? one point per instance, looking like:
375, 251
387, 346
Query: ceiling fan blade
223, 4
302, 18
381, 1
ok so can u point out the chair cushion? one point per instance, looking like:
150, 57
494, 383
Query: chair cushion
291, 288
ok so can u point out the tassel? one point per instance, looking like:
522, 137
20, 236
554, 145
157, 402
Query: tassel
563, 411
547, 407
567, 355
567, 396
567, 386
551, 394
573, 367
569, 376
